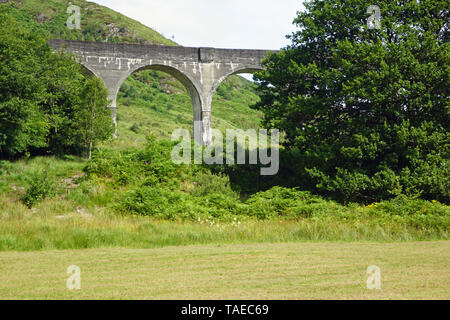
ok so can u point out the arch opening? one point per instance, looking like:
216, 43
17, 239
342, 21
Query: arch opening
156, 99
232, 96
242, 71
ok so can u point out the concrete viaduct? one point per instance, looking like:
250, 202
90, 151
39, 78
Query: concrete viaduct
200, 70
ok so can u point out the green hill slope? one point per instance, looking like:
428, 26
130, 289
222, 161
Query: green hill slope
98, 23
149, 102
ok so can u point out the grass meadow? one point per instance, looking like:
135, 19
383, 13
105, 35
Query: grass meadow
307, 270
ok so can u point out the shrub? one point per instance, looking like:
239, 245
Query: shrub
135, 128
280, 202
206, 183
41, 187
154, 186
414, 212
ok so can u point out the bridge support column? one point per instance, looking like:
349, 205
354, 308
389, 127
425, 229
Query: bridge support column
202, 127
202, 115
112, 97
206, 128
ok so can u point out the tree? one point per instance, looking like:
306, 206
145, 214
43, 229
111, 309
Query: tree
45, 98
367, 108
22, 121
93, 120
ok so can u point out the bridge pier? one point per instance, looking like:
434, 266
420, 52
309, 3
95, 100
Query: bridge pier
112, 97
200, 70
206, 128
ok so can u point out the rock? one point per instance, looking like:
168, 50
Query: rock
41, 18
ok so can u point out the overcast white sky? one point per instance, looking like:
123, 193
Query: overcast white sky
244, 24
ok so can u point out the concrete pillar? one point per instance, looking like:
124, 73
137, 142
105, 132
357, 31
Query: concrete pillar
204, 117
202, 125
202, 128
206, 128
112, 96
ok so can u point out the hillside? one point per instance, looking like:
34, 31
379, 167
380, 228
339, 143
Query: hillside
98, 23
149, 102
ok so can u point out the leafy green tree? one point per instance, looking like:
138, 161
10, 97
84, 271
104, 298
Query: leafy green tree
23, 123
64, 82
45, 98
92, 120
367, 108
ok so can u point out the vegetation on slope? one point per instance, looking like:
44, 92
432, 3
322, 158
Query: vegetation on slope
131, 193
150, 104
139, 198
98, 23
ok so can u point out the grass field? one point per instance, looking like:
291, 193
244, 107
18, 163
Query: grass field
415, 270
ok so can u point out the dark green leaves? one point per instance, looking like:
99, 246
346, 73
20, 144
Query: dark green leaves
367, 108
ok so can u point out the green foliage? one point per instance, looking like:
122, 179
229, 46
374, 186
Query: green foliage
40, 187
206, 183
92, 120
135, 127
367, 110
151, 185
371, 153
46, 104
417, 213
98, 23
160, 104
147, 166
22, 120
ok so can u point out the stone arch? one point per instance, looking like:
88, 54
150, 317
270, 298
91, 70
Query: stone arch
190, 84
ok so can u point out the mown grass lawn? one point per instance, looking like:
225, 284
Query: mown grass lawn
309, 270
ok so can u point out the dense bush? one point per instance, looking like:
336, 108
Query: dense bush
40, 187
154, 186
47, 105
366, 110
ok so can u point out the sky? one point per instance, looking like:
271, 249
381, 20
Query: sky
241, 24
